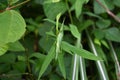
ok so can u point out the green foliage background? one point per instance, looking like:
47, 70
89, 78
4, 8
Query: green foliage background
59, 40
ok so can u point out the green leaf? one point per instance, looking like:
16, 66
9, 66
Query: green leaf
93, 15
116, 2
12, 26
16, 46
48, 59
112, 34
37, 55
37, 63
20, 66
86, 1
99, 34
74, 31
118, 15
105, 44
46, 43
86, 24
78, 7
4, 68
8, 58
46, 27
51, 33
110, 4
53, 9
103, 23
37, 60
81, 52
12, 1
3, 49
31, 28
21, 58
97, 41
62, 65
98, 9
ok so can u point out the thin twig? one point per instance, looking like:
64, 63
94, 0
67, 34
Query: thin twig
108, 11
9, 8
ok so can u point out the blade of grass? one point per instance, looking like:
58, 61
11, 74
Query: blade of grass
48, 59
100, 65
101, 53
82, 69
79, 64
75, 68
114, 56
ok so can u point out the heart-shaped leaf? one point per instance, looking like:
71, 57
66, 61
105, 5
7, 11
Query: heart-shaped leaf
12, 26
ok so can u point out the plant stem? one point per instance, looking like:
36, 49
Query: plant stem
70, 15
108, 11
28, 64
9, 8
